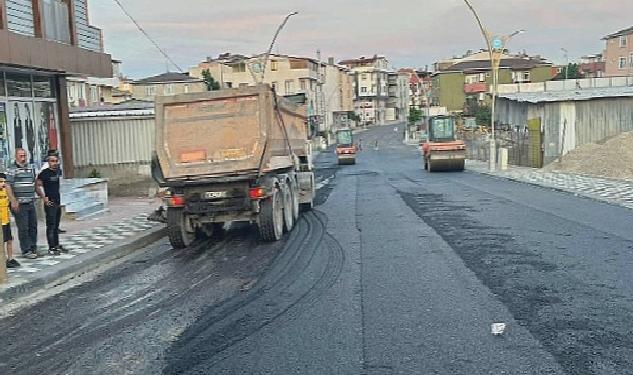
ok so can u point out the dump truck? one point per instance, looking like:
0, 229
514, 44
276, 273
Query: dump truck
234, 155
442, 150
345, 147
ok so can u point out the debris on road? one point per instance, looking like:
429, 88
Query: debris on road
498, 328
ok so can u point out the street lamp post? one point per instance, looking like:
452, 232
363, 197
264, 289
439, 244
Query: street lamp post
272, 43
566, 54
496, 45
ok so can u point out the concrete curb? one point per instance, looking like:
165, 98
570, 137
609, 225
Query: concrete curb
592, 197
82, 264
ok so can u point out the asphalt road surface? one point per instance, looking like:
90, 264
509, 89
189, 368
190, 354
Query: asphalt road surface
396, 271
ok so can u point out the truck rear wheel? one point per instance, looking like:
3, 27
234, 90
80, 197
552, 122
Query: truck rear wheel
289, 221
179, 236
271, 218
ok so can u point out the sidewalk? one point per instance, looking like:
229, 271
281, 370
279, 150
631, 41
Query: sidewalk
91, 242
617, 192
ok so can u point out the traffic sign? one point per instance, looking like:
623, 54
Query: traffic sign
497, 43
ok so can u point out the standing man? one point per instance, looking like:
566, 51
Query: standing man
49, 180
21, 178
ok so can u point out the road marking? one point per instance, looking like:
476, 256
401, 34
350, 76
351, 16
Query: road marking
323, 183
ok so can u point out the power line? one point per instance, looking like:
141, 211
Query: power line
147, 36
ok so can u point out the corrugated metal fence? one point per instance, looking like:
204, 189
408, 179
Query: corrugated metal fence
112, 140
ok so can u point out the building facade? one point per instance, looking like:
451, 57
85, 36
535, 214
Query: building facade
165, 84
371, 81
288, 75
41, 43
468, 82
592, 66
618, 53
398, 101
338, 88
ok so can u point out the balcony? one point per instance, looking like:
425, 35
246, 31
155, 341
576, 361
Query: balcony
473, 88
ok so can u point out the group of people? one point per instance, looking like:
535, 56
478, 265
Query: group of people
20, 187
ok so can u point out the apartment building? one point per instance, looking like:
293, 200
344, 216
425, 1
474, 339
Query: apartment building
592, 66
338, 91
398, 101
288, 75
41, 43
371, 80
618, 53
165, 84
468, 81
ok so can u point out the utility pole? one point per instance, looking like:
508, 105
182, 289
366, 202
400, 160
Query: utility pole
566, 54
272, 43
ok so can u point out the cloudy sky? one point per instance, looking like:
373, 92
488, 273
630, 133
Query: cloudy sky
411, 33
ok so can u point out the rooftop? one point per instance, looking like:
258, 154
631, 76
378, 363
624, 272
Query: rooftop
570, 95
510, 63
167, 78
626, 31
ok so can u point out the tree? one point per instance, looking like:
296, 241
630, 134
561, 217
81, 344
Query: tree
415, 115
212, 84
573, 72
481, 112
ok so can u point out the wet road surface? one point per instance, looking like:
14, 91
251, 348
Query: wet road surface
396, 271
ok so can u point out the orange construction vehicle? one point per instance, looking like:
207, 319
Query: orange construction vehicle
345, 148
442, 151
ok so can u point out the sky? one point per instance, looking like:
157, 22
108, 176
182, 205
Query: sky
410, 33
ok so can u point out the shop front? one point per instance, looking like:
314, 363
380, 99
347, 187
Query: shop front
29, 117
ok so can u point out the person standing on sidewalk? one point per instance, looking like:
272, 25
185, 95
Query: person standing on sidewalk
21, 178
5, 198
49, 180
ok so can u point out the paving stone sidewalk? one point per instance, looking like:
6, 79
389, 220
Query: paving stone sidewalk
89, 243
617, 192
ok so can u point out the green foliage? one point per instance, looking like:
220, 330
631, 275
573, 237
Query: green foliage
209, 81
415, 115
573, 72
483, 115
94, 173
354, 117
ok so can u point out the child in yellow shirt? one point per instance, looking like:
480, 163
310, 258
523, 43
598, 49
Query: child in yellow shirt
5, 195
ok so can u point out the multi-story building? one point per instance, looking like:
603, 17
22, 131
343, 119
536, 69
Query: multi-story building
371, 88
420, 83
41, 43
169, 83
288, 75
86, 91
618, 53
468, 81
592, 66
398, 101
338, 90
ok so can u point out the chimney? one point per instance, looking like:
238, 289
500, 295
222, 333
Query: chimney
330, 60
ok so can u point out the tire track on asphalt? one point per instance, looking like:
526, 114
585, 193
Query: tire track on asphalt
283, 293
558, 308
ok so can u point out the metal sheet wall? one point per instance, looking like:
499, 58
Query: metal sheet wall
108, 141
602, 118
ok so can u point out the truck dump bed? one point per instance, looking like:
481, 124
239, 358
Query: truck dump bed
227, 132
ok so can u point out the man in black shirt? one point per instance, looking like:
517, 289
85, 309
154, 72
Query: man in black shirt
49, 180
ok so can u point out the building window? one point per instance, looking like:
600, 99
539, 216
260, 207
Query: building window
239, 68
19, 85
289, 87
186, 87
43, 87
150, 90
623, 40
304, 85
94, 94
363, 89
2, 91
363, 77
243, 84
274, 85
622, 62
298, 64
169, 89
273, 65
228, 85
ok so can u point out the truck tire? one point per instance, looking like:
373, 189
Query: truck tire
289, 221
176, 229
271, 218
294, 190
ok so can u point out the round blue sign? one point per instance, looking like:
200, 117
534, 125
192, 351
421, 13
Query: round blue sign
497, 43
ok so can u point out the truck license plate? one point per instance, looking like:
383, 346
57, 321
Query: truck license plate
215, 194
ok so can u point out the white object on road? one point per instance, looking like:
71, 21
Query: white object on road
498, 328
